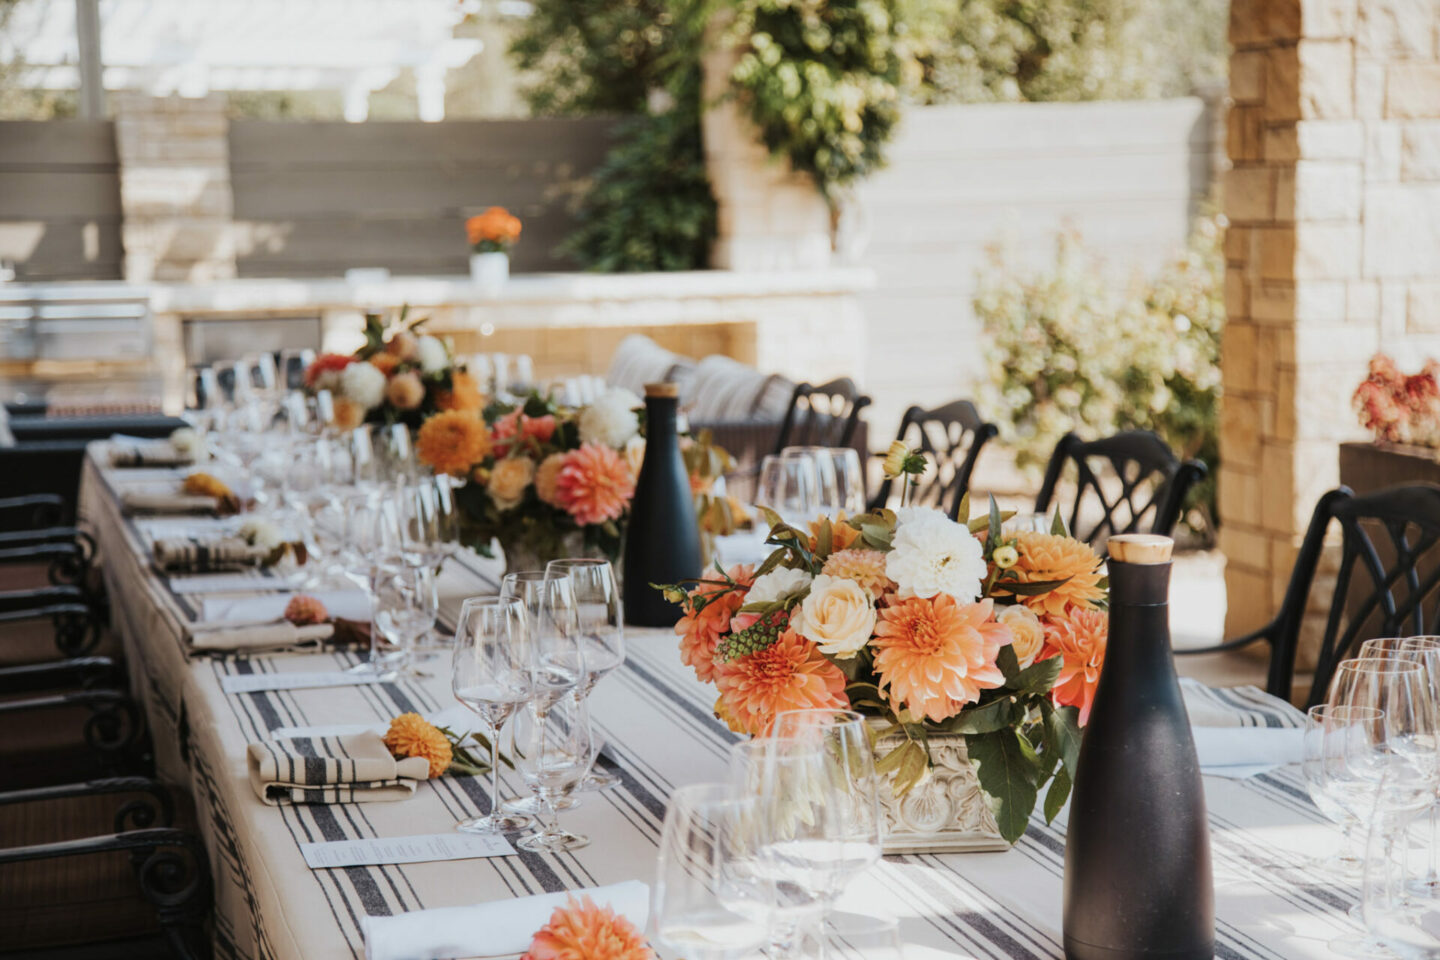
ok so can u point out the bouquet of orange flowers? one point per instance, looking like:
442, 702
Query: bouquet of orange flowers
930, 626
1400, 408
494, 231
399, 376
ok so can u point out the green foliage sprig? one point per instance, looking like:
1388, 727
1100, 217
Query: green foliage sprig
821, 80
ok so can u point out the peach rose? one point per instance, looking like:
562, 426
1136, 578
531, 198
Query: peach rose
509, 479
837, 615
348, 414
405, 391
1027, 630
403, 345
547, 478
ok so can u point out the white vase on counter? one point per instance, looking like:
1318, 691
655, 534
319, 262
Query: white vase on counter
490, 270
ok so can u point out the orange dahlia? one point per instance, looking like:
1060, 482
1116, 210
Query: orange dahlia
1046, 556
452, 442
581, 930
790, 674
200, 484
865, 567
934, 655
464, 393
411, 735
700, 631
594, 484
1078, 636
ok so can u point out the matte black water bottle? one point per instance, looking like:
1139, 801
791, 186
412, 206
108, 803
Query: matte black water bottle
1137, 848
662, 544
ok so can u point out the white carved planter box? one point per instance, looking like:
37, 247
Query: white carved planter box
947, 812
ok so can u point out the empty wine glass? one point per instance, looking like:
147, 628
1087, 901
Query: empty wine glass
827, 488
1327, 728
552, 751
364, 463
712, 899
294, 361
791, 487
1399, 923
429, 522
492, 676
395, 454
601, 621
404, 606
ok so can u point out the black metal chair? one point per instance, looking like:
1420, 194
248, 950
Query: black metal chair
46, 566
822, 416
1129, 483
952, 437
1387, 584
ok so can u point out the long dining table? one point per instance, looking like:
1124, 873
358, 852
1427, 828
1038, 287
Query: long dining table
660, 733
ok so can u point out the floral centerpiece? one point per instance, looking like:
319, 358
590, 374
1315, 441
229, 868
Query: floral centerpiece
491, 235
399, 376
975, 651
1400, 408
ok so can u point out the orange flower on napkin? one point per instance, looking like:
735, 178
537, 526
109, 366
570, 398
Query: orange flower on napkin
411, 735
580, 930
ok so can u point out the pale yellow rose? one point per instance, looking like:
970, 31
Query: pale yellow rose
1026, 629
405, 391
547, 478
508, 481
838, 615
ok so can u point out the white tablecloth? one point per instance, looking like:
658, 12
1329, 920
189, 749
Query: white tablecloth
661, 734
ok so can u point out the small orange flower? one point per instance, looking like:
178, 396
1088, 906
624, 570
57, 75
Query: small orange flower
700, 632
304, 609
790, 674
348, 414
580, 930
496, 226
385, 362
547, 479
464, 393
1079, 636
1045, 556
935, 655
411, 735
452, 442
594, 485
206, 485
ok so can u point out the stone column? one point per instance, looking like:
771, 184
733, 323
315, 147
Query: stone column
1333, 252
175, 187
770, 217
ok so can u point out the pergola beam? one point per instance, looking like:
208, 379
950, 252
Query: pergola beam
92, 80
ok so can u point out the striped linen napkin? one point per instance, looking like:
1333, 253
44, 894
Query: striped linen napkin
352, 769
206, 554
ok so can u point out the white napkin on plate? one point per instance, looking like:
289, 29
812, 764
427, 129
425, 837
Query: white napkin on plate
500, 928
267, 608
261, 636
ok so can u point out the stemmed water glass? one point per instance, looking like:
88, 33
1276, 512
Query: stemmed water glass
552, 751
404, 607
601, 622
840, 484
429, 522
1333, 734
791, 487
493, 676
395, 455
713, 898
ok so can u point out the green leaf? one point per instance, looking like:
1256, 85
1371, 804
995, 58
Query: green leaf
994, 523
772, 519
907, 763
1037, 678
824, 540
1057, 526
1008, 663
962, 514
1007, 768
1056, 796
978, 524
995, 715
1032, 589
1063, 729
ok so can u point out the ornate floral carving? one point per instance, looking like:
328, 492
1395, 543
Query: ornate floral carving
947, 812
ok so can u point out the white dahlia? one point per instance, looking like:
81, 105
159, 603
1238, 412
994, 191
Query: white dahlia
779, 584
610, 421
364, 384
431, 354
930, 554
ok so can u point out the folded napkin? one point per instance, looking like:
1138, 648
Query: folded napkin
279, 635
1236, 707
148, 453
500, 928
149, 501
1241, 731
232, 611
207, 554
332, 770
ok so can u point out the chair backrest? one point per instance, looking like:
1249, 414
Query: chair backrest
951, 437
1129, 483
822, 416
1387, 583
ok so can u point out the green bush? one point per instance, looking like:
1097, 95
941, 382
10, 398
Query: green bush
821, 80
1068, 351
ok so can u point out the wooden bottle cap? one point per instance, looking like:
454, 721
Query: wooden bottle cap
1140, 548
662, 390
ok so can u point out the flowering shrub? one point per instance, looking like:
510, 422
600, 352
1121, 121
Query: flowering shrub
1067, 352
912, 617
1399, 408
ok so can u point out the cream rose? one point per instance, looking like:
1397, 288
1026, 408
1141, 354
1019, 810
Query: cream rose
838, 615
1026, 629
508, 481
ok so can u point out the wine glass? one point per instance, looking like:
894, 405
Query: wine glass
1399, 923
552, 751
849, 480
429, 522
791, 487
395, 454
827, 486
601, 619
294, 361
403, 608
493, 676
364, 463
712, 898
1327, 728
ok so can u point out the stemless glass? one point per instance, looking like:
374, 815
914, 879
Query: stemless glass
552, 752
711, 899
791, 487
492, 676
601, 621
404, 607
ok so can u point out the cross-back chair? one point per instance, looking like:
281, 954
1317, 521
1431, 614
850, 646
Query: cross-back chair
822, 416
1131, 482
1387, 583
951, 437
